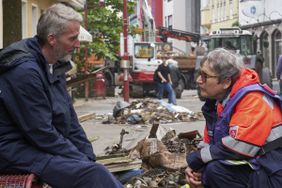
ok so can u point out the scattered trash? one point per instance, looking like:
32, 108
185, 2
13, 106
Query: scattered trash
134, 119
144, 111
119, 106
117, 148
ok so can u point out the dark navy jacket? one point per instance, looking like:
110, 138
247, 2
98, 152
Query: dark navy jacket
37, 119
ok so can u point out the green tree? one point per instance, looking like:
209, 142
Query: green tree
105, 25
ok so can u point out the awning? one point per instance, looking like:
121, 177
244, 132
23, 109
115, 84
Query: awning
84, 35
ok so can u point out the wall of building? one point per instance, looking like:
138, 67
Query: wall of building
218, 14
185, 16
157, 12
11, 21
35, 7
223, 13
18, 18
167, 11
205, 20
180, 15
264, 19
261, 17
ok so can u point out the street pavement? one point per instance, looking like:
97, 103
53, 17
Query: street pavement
104, 135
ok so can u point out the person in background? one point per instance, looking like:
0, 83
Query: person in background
192, 52
243, 134
278, 73
40, 132
164, 82
174, 71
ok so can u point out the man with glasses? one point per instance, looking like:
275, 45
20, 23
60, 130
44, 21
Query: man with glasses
243, 134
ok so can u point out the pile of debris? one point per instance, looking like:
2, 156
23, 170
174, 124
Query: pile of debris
146, 110
162, 158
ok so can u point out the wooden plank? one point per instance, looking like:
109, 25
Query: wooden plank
120, 163
86, 117
116, 160
123, 167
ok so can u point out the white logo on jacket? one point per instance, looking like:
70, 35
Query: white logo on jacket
233, 131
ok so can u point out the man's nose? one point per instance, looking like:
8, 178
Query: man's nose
77, 44
199, 79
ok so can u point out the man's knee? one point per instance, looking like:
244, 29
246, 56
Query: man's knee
96, 176
62, 172
213, 169
218, 174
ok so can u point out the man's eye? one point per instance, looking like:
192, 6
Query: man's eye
74, 38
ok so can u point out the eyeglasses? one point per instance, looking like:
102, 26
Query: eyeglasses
204, 76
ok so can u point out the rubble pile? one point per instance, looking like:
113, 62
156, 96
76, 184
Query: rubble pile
164, 161
146, 110
161, 156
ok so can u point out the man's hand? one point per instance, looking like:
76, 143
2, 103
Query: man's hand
164, 81
193, 178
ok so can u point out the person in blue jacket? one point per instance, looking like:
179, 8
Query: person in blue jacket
39, 129
243, 135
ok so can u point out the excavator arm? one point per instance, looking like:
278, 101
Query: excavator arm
165, 33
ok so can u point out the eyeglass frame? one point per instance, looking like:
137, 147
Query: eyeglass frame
204, 76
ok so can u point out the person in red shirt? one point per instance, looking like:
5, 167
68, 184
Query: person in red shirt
243, 134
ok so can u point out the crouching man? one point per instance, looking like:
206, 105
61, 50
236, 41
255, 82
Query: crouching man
243, 135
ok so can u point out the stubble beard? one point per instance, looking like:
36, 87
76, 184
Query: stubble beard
61, 55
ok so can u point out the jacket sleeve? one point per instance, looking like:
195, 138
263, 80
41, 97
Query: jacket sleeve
198, 159
78, 136
210, 114
30, 108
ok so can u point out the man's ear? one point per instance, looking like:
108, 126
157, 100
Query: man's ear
227, 83
51, 39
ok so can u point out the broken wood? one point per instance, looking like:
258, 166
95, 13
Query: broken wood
86, 117
119, 163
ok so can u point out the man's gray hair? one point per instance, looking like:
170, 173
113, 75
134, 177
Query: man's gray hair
54, 19
225, 63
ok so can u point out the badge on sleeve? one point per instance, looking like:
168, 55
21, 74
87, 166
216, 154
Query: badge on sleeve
233, 131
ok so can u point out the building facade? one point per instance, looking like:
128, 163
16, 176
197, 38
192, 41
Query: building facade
18, 18
182, 15
263, 18
217, 14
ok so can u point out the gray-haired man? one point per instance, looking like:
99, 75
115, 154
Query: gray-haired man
39, 129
